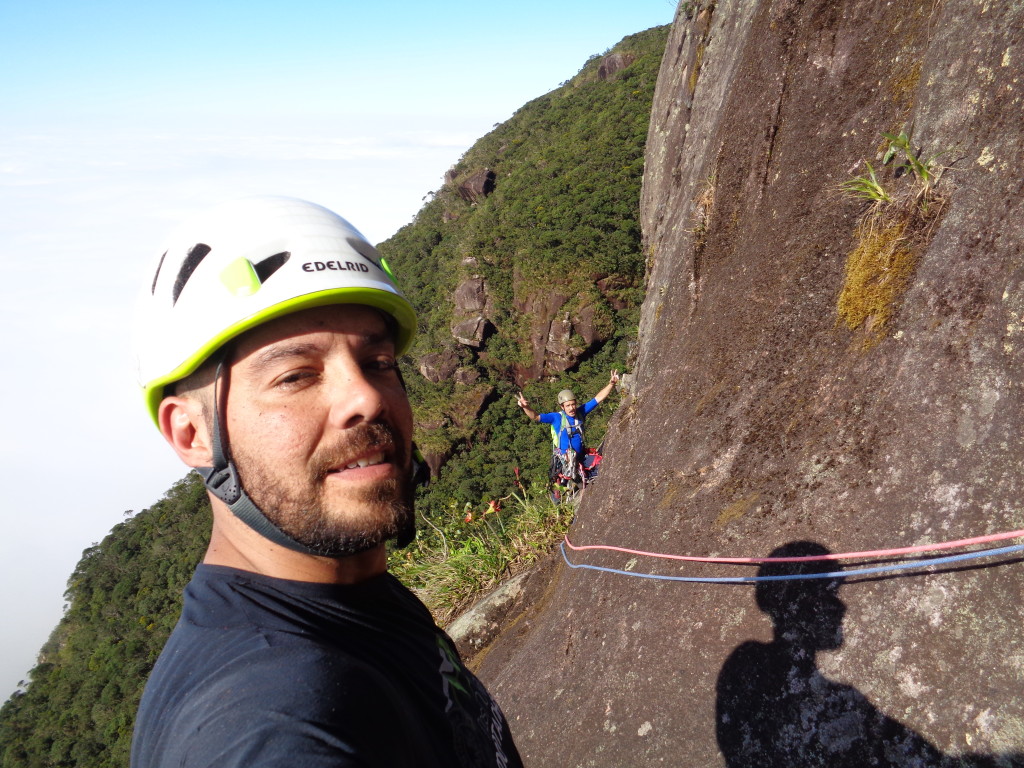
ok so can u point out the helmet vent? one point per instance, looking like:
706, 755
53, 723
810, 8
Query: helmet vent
364, 249
156, 275
195, 255
266, 268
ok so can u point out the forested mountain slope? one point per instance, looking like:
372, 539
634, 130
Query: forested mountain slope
526, 269
122, 602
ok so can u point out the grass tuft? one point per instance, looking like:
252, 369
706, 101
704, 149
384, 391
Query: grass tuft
866, 187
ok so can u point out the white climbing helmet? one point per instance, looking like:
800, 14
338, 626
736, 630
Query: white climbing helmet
244, 263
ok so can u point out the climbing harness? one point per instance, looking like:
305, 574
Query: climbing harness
566, 476
566, 473
569, 430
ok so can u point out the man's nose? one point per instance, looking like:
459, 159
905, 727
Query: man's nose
355, 399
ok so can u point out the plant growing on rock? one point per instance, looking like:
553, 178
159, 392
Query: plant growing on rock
888, 237
912, 161
866, 187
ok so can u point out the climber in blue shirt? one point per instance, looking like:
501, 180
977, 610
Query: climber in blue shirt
567, 424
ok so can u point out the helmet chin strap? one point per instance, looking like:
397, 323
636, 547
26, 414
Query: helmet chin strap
222, 478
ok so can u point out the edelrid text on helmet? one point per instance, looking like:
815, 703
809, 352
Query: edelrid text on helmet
244, 263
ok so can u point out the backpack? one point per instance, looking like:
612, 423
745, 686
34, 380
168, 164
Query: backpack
591, 463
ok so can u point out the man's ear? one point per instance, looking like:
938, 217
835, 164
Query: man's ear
183, 425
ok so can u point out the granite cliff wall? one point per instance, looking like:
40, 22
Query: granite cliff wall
816, 373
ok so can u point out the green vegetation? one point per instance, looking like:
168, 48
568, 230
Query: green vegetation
922, 168
888, 237
562, 218
470, 550
866, 187
123, 600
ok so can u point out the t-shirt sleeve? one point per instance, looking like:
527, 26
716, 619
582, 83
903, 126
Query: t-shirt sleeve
590, 405
549, 418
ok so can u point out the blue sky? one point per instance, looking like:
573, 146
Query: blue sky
120, 118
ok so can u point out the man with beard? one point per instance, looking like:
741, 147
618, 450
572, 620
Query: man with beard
267, 346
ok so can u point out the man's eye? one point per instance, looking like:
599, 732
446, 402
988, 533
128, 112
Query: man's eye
292, 378
383, 364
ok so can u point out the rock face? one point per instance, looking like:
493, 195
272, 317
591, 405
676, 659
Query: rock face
438, 366
766, 416
470, 324
612, 64
477, 185
558, 337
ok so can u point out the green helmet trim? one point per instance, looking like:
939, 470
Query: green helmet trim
393, 304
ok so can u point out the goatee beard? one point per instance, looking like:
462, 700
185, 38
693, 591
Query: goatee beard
298, 506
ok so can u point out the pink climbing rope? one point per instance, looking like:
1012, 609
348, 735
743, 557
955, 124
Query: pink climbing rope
873, 553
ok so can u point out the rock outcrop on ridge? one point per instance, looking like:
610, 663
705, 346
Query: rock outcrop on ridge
817, 373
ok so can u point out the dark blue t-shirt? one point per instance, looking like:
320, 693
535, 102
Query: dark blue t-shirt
266, 672
574, 434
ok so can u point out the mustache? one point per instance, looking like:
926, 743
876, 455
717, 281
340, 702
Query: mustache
362, 439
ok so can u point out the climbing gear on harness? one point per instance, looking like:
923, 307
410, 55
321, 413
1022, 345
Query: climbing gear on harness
566, 477
565, 467
565, 464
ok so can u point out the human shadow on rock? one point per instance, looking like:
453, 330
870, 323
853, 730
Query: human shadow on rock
775, 709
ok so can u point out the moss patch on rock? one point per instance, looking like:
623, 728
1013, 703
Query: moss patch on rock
878, 271
881, 265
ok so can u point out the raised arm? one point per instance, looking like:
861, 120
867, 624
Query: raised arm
521, 402
607, 390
